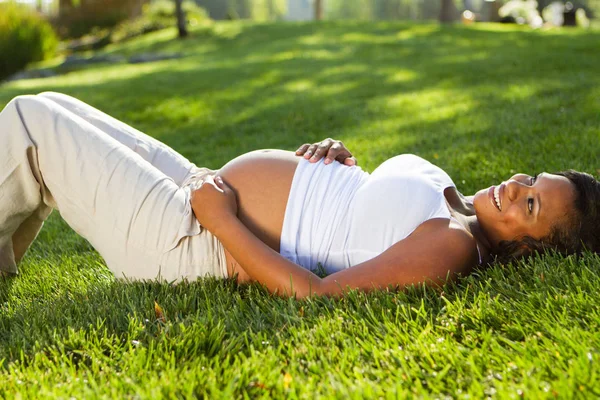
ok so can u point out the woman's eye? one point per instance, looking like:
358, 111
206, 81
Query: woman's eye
530, 205
533, 179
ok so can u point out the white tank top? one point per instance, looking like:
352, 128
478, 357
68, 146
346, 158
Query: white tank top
339, 216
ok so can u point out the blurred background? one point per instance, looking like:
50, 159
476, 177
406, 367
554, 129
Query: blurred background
31, 30
106, 12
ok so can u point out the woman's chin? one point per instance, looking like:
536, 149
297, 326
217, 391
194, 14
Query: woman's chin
477, 198
486, 221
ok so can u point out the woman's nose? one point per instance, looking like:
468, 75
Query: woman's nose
514, 189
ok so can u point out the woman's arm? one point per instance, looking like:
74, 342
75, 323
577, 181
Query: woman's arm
432, 253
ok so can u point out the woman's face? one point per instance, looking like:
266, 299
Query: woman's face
524, 206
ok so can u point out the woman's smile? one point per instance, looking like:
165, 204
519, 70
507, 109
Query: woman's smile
494, 196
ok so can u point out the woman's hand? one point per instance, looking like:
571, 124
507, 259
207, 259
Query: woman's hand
213, 202
330, 149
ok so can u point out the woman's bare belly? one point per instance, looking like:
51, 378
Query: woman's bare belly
261, 180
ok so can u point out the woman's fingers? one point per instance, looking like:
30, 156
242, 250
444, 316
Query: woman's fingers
329, 149
311, 150
220, 184
302, 149
200, 180
213, 181
321, 150
340, 153
334, 152
350, 161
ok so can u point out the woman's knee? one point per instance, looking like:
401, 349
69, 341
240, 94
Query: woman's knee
20, 107
37, 114
27, 104
53, 95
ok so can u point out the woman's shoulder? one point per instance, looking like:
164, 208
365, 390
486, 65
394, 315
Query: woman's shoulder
453, 240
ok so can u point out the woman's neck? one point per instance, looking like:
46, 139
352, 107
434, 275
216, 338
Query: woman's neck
463, 211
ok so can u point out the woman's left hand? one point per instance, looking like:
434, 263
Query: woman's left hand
213, 202
329, 148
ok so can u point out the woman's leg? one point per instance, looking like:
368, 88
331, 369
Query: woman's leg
131, 212
161, 156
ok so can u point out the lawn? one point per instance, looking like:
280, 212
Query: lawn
481, 102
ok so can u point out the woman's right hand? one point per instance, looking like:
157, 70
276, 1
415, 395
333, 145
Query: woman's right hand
330, 149
213, 202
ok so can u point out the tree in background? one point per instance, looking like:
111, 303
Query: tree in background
78, 17
448, 11
244, 8
64, 7
181, 20
318, 10
270, 8
489, 11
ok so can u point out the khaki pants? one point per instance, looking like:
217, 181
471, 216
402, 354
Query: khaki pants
125, 192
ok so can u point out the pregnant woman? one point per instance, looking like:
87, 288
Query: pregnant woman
299, 225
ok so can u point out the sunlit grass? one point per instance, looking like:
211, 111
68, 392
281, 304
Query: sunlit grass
482, 102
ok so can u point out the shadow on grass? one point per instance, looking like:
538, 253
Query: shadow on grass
425, 89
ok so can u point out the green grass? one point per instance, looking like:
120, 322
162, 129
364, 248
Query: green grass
480, 102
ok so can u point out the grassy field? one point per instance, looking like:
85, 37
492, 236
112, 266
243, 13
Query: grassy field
480, 102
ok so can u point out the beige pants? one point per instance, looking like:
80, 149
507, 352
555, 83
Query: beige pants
125, 192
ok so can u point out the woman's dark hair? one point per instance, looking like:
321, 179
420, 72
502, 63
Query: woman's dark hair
580, 231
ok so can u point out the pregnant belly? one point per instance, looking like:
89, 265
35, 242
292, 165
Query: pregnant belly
261, 180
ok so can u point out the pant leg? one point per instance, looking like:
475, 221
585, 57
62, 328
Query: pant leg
24, 204
161, 156
131, 212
